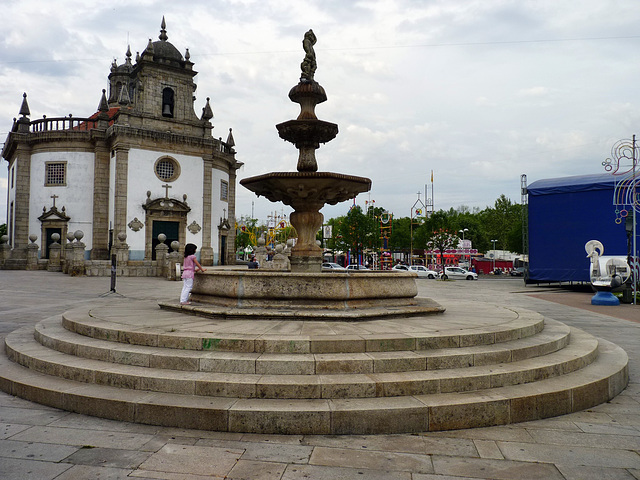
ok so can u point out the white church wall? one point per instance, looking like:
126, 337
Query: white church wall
218, 209
76, 196
142, 178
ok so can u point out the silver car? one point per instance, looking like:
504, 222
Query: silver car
457, 272
333, 267
420, 270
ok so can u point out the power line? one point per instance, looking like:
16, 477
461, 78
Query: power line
378, 47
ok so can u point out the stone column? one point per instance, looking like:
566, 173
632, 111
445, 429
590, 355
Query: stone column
206, 251
231, 216
22, 201
174, 259
5, 249
55, 250
162, 252
122, 250
100, 233
76, 268
32, 253
261, 253
120, 194
67, 253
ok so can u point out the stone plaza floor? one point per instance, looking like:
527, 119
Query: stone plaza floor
38, 442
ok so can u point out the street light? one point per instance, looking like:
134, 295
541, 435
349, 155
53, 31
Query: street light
494, 255
463, 232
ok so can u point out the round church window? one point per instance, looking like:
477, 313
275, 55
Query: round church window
167, 169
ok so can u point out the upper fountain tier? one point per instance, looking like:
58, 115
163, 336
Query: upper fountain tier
307, 132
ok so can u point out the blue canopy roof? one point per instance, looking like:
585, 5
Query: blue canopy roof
579, 183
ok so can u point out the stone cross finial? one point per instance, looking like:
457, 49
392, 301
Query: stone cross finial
166, 187
54, 196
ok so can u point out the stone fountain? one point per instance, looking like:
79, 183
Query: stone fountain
306, 291
307, 190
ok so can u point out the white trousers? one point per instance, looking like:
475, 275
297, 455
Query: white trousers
187, 285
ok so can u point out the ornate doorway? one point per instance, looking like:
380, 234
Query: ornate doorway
164, 213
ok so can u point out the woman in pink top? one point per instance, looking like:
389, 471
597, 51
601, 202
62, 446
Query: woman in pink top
190, 267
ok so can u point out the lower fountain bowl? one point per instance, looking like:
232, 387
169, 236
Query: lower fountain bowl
327, 295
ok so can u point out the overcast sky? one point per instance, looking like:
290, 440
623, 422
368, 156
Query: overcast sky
479, 91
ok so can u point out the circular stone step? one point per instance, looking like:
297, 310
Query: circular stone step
489, 325
462, 384
590, 386
51, 334
23, 348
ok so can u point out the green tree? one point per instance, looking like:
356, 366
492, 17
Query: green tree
3, 229
442, 240
502, 219
357, 231
400, 234
247, 232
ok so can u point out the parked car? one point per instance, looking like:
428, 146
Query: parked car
356, 267
420, 270
423, 271
334, 267
401, 266
517, 272
457, 272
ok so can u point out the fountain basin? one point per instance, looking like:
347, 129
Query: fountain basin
307, 190
328, 295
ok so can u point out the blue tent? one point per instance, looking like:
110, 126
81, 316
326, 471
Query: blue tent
564, 214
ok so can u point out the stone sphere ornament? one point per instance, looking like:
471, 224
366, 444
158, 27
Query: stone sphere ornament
78, 234
162, 238
55, 237
70, 236
4, 239
175, 245
122, 236
33, 238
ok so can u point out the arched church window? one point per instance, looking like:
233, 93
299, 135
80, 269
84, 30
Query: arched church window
167, 169
167, 102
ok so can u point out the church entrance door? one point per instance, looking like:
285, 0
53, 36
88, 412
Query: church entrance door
223, 250
170, 229
49, 232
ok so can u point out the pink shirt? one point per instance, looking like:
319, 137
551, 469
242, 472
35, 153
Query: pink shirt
189, 267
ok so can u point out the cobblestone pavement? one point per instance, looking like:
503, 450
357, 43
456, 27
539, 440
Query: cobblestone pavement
42, 443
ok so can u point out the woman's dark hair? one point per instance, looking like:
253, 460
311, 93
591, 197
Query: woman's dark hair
189, 249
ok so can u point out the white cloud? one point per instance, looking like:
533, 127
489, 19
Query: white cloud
534, 92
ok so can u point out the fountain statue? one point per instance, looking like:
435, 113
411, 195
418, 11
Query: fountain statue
305, 291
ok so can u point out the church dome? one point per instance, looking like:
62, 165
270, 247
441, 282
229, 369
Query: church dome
162, 50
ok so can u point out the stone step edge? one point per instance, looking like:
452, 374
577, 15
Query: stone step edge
42, 359
595, 384
51, 334
79, 321
344, 311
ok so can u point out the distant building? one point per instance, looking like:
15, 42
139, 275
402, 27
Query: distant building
143, 164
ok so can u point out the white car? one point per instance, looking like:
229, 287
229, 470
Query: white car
457, 272
420, 270
333, 267
356, 267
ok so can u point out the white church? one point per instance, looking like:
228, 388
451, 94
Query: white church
144, 164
